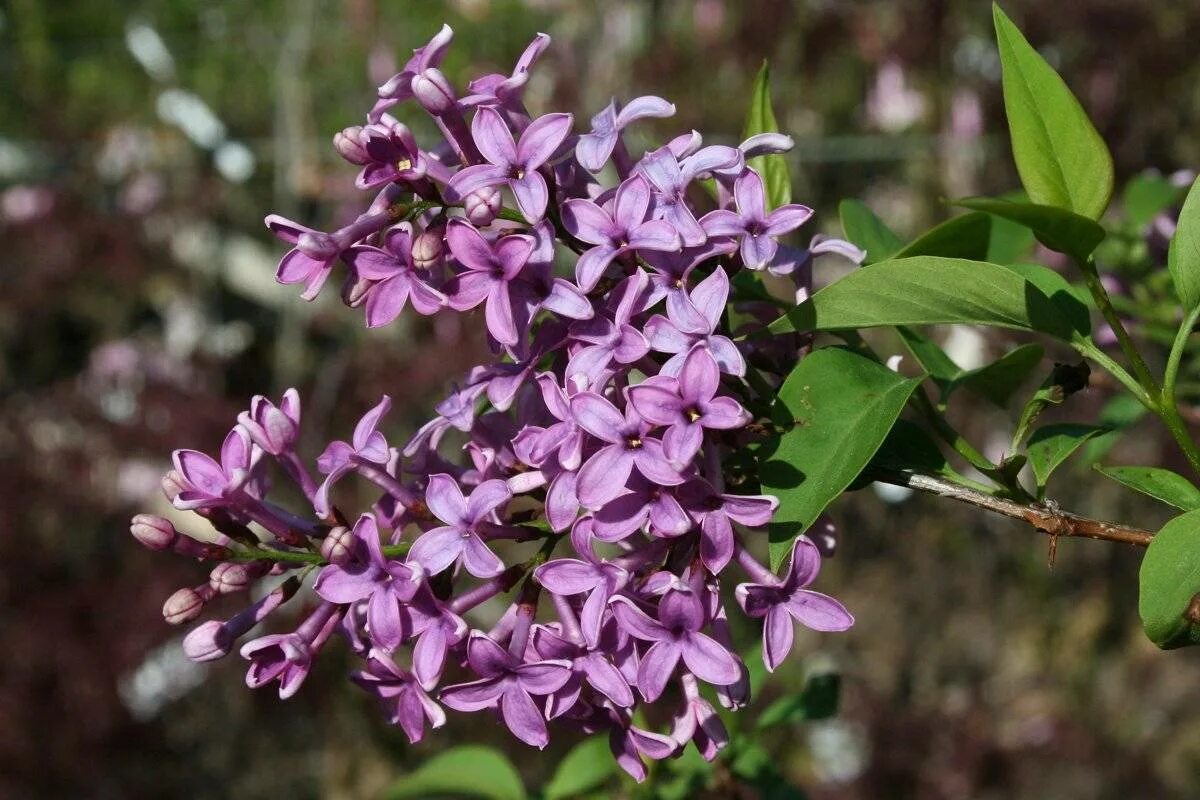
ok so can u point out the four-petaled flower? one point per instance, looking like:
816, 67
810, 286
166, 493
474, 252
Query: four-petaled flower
692, 319
396, 279
595, 148
369, 575
675, 635
598, 578
716, 512
788, 599
210, 484
510, 162
507, 682
459, 537
407, 703
613, 233
689, 405
490, 269
756, 230
340, 458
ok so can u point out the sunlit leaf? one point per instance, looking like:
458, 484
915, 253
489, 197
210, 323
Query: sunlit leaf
1057, 228
863, 228
585, 767
1061, 158
1161, 484
836, 407
1168, 580
761, 119
1051, 445
1184, 257
465, 771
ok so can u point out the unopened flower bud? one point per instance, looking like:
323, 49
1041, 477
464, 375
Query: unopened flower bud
348, 143
336, 548
482, 205
153, 532
214, 639
186, 604
429, 247
273, 428
433, 91
172, 484
229, 577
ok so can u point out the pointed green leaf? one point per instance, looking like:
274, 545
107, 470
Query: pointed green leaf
1168, 580
909, 448
1161, 484
836, 407
1184, 257
868, 231
1058, 229
1061, 158
928, 290
761, 119
1072, 302
1010, 241
585, 767
997, 381
966, 236
465, 771
1051, 445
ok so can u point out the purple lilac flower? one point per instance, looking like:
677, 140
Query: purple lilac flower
642, 503
622, 230
506, 90
391, 154
599, 579
595, 148
508, 683
715, 513
399, 87
627, 447
780, 602
395, 278
460, 537
340, 458
605, 339
590, 665
210, 484
688, 405
674, 635
755, 229
692, 319
369, 575
407, 703
287, 657
671, 179
510, 162
489, 272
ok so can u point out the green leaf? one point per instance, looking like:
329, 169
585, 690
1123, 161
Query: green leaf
839, 407
997, 381
761, 119
928, 290
1057, 228
908, 447
1183, 259
1169, 579
818, 700
1146, 196
1118, 414
1010, 241
1051, 445
868, 231
966, 236
1073, 303
1061, 158
1161, 484
586, 766
930, 356
465, 771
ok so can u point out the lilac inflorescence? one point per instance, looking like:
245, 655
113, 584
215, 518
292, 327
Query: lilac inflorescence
595, 440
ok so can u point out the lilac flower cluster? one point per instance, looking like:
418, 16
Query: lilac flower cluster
598, 432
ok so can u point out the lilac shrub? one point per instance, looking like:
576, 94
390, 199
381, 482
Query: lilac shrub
598, 432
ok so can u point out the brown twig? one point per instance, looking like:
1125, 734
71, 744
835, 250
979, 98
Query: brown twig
1045, 517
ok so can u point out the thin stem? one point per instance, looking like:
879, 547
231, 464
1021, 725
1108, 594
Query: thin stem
1088, 349
1047, 517
1176, 357
1104, 303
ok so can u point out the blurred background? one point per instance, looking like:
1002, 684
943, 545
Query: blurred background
141, 144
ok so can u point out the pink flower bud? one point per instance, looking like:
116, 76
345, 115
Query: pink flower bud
482, 205
336, 548
318, 246
153, 532
229, 578
208, 641
429, 247
186, 604
434, 92
348, 143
